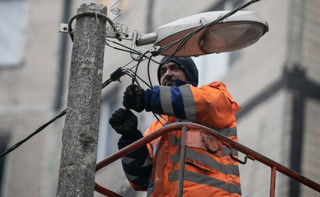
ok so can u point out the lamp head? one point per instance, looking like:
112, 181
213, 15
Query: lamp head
238, 31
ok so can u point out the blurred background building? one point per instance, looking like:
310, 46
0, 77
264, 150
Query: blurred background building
276, 81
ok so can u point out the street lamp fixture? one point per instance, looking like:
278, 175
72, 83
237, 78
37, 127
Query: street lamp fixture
200, 34
204, 33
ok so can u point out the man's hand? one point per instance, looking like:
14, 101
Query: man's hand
133, 98
124, 122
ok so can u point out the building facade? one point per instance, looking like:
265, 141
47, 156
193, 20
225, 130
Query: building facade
276, 81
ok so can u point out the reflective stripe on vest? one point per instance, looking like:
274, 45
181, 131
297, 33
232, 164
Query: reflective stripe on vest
228, 132
225, 151
129, 160
183, 105
165, 99
188, 102
207, 161
150, 187
203, 179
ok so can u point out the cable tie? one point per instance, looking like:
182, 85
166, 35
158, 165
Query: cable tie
155, 51
117, 74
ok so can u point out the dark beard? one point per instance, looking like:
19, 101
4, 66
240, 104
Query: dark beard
169, 81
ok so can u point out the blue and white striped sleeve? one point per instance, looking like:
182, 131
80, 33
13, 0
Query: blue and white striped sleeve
175, 101
136, 165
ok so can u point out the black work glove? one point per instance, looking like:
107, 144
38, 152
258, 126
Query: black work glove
124, 122
133, 98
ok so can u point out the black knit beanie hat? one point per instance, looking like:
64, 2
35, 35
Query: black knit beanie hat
187, 64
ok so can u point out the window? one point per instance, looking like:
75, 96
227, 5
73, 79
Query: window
12, 31
108, 139
4, 139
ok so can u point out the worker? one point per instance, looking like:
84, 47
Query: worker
209, 169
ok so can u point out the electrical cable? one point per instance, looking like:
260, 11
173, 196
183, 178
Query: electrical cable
213, 23
185, 38
124, 46
129, 71
137, 66
119, 72
148, 72
127, 64
129, 49
113, 77
131, 74
134, 76
32, 134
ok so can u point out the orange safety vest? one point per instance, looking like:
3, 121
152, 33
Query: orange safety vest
209, 169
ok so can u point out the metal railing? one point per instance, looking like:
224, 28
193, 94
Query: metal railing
226, 141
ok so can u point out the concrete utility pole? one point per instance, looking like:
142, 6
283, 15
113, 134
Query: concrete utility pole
80, 133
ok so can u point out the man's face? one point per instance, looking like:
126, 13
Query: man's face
169, 72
